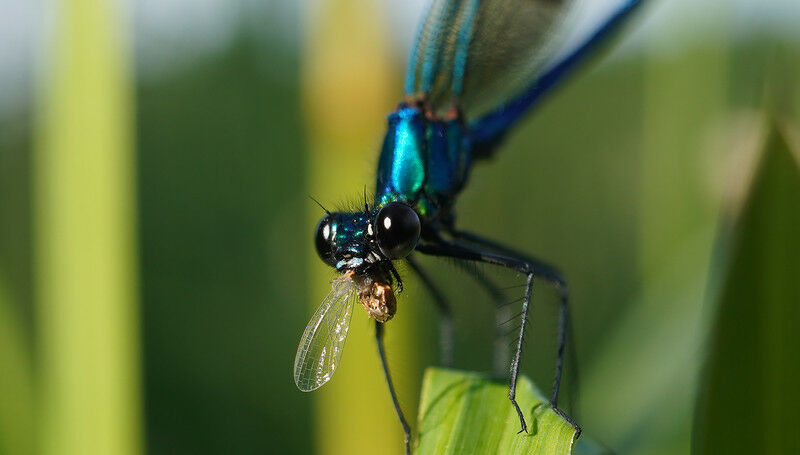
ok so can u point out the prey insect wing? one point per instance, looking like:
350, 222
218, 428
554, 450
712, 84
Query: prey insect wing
323, 340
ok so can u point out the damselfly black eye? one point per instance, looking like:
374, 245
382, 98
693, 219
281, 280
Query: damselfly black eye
324, 240
397, 230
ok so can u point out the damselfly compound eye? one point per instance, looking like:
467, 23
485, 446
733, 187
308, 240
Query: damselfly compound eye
324, 240
397, 229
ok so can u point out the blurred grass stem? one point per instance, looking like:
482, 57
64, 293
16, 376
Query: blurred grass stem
84, 239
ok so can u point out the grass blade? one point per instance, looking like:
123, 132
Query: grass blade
462, 412
84, 239
748, 402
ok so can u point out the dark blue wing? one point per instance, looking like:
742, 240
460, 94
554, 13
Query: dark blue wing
491, 127
475, 52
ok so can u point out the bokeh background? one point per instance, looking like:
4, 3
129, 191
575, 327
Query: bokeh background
156, 264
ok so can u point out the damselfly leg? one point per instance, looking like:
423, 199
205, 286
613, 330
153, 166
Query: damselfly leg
382, 353
554, 277
446, 325
445, 314
542, 269
475, 249
502, 315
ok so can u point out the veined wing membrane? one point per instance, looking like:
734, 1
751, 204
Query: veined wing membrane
480, 52
323, 340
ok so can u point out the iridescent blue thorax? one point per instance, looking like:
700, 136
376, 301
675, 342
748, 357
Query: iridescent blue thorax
424, 162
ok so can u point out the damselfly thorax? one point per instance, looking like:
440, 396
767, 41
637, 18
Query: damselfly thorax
424, 161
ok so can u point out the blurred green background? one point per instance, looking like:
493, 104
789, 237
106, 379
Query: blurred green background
164, 318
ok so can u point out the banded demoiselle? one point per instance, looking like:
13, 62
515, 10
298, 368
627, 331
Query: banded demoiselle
477, 67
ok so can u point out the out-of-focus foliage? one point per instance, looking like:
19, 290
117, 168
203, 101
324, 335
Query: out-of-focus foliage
16, 382
224, 295
749, 395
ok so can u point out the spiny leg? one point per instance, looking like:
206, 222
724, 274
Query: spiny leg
510, 260
400, 416
447, 249
563, 317
552, 275
540, 268
512, 390
446, 327
502, 316
563, 329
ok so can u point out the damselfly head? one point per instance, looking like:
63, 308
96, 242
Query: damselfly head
345, 241
363, 240
362, 245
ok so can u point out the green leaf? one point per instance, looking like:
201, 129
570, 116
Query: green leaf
748, 402
463, 412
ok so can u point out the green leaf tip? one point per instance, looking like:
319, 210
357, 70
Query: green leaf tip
465, 412
749, 395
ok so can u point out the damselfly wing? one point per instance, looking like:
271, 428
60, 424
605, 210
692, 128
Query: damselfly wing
475, 54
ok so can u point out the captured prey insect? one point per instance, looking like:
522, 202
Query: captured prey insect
477, 67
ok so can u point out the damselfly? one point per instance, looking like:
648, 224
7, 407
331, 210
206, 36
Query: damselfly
478, 66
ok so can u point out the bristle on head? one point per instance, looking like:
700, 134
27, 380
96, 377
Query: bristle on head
355, 205
319, 204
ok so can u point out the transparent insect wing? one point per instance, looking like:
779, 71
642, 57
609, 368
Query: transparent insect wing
480, 52
323, 340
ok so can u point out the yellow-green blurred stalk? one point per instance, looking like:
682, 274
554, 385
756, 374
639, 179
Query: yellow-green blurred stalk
85, 254
16, 385
349, 86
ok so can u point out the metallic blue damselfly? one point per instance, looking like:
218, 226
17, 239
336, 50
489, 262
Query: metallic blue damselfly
477, 67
